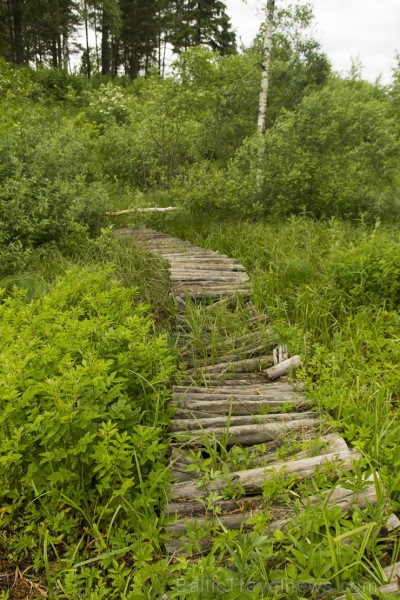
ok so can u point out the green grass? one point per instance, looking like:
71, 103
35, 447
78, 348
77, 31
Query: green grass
304, 280
331, 292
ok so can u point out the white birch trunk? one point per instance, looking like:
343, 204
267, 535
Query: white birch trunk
269, 28
262, 105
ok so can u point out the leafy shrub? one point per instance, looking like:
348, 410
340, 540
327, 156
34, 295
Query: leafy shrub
82, 387
338, 154
369, 273
35, 210
57, 84
16, 82
107, 105
232, 191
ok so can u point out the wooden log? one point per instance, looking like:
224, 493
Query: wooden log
393, 523
198, 292
333, 443
247, 435
147, 209
245, 395
284, 368
195, 424
280, 353
209, 286
157, 236
345, 498
209, 380
224, 379
281, 516
251, 344
213, 257
220, 280
229, 521
178, 475
203, 269
239, 366
383, 591
180, 456
252, 309
339, 496
206, 265
195, 251
258, 403
251, 481
211, 410
235, 387
194, 294
251, 350
180, 302
224, 302
392, 572
194, 508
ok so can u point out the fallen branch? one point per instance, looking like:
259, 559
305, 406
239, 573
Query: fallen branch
126, 211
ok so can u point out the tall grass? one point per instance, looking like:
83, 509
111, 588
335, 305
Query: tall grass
332, 292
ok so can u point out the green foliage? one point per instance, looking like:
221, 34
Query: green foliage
332, 292
368, 274
83, 386
107, 106
202, 22
34, 211
16, 83
84, 379
298, 65
231, 191
338, 154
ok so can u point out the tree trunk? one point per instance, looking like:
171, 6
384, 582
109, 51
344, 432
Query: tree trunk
11, 30
65, 51
54, 51
115, 59
262, 106
269, 27
105, 49
18, 42
96, 45
88, 64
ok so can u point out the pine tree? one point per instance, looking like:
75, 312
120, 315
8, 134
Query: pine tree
37, 31
6, 34
139, 35
202, 23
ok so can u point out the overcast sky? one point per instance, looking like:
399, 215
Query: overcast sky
365, 29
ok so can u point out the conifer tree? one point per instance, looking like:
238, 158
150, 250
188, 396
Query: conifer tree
202, 23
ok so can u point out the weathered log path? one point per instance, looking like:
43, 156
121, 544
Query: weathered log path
239, 397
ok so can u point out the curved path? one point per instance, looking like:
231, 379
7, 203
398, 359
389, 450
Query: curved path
237, 420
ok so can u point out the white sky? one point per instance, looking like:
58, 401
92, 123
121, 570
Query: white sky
364, 29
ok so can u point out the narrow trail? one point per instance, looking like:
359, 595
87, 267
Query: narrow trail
238, 397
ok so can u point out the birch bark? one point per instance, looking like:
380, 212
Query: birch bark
269, 28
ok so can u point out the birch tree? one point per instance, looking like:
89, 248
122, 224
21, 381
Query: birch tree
266, 63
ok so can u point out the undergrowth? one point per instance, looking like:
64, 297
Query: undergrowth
84, 387
332, 292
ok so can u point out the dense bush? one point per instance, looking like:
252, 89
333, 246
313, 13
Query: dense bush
34, 211
82, 386
368, 273
338, 154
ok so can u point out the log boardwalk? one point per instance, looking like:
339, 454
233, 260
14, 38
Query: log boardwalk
238, 423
